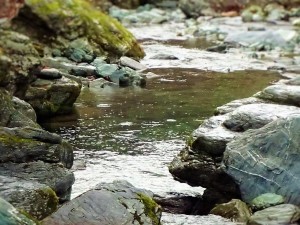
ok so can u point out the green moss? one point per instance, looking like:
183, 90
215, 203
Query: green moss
77, 18
52, 203
13, 140
150, 208
30, 217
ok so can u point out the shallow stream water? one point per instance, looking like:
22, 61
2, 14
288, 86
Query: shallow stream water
134, 133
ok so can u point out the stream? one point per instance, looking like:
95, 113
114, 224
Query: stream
134, 133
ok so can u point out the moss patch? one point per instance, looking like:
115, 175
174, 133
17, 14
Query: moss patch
151, 208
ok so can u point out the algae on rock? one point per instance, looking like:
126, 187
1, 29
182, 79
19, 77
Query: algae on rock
75, 19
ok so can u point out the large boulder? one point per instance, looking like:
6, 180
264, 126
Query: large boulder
77, 19
52, 97
54, 175
109, 204
265, 160
9, 215
37, 199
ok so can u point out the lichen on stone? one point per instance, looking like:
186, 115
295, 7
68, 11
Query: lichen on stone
151, 208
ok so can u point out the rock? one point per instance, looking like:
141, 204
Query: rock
131, 63
54, 175
193, 8
5, 66
49, 73
108, 204
253, 13
280, 214
294, 81
276, 12
282, 94
236, 210
254, 116
11, 216
218, 48
10, 8
266, 200
296, 22
12, 114
164, 56
106, 70
212, 136
179, 204
24, 108
52, 97
37, 199
231, 106
78, 21
263, 160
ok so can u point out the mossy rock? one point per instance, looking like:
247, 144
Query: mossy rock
266, 200
11, 216
151, 208
75, 19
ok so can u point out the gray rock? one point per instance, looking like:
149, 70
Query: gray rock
54, 175
212, 136
266, 200
131, 63
164, 56
37, 199
231, 106
24, 108
49, 73
109, 204
52, 97
265, 160
106, 70
9, 215
294, 81
280, 214
236, 210
283, 94
255, 116
193, 8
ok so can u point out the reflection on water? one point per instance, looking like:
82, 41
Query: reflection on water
133, 133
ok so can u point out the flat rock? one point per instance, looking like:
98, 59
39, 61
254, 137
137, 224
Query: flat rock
212, 136
231, 106
254, 116
131, 63
266, 160
49, 73
280, 214
109, 204
266, 200
283, 94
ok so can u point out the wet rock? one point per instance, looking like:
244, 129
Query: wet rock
179, 204
254, 116
219, 48
54, 175
24, 108
193, 8
263, 160
280, 214
236, 210
106, 70
256, 28
283, 94
108, 204
78, 21
266, 200
231, 106
10, 215
131, 63
164, 56
49, 73
212, 136
277, 68
37, 199
294, 81
51, 97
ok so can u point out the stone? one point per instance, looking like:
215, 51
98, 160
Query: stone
212, 137
115, 203
265, 160
231, 106
296, 22
254, 116
282, 94
52, 97
24, 108
106, 70
36, 199
164, 56
294, 81
276, 12
235, 210
49, 73
53, 175
131, 63
253, 13
266, 200
9, 215
280, 214
79, 21
193, 8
